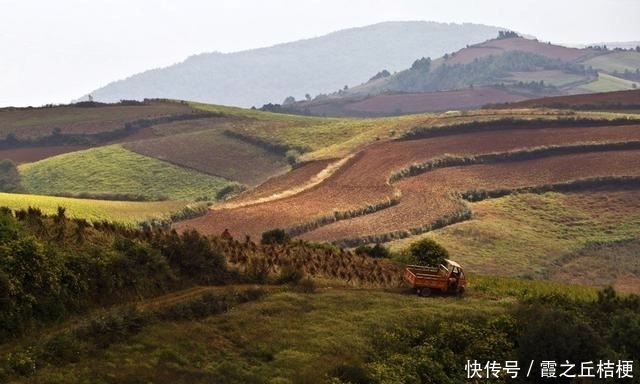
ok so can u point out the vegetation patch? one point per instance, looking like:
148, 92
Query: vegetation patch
214, 153
126, 212
114, 170
507, 123
87, 119
531, 235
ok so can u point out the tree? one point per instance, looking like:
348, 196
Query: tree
380, 75
507, 35
428, 252
9, 176
289, 100
422, 65
307, 97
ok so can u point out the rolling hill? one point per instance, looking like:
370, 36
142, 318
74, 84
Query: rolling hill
541, 206
505, 69
317, 65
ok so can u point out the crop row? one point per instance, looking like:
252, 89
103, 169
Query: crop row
506, 124
432, 195
517, 155
365, 178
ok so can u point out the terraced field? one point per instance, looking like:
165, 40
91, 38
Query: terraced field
358, 199
214, 153
74, 119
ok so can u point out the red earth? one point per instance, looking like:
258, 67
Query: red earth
618, 99
363, 180
432, 101
498, 46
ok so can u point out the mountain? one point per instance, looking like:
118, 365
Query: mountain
312, 66
508, 68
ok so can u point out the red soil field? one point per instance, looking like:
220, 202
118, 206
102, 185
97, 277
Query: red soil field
363, 179
31, 154
35, 122
296, 177
498, 46
427, 197
432, 101
616, 99
214, 154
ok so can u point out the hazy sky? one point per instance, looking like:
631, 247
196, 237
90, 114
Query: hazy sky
55, 51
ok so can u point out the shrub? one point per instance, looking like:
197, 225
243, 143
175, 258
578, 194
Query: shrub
9, 176
306, 286
428, 252
275, 236
377, 251
289, 274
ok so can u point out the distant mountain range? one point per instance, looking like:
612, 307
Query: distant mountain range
306, 67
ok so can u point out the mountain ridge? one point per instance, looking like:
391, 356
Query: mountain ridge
309, 66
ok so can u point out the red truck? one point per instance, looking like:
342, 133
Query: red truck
447, 278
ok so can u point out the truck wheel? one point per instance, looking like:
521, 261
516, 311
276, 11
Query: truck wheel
460, 291
424, 292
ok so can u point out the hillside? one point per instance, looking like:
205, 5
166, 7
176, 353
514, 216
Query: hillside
106, 304
541, 206
434, 175
505, 69
317, 65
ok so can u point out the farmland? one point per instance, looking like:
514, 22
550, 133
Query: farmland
362, 183
560, 236
607, 83
112, 170
527, 200
37, 122
125, 212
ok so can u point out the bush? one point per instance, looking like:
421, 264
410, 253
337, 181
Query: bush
289, 274
9, 176
306, 286
428, 252
275, 236
230, 190
377, 251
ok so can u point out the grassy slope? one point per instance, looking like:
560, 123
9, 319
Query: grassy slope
530, 235
607, 83
615, 61
286, 337
95, 210
112, 169
556, 78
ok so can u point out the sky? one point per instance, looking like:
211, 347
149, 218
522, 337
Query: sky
53, 52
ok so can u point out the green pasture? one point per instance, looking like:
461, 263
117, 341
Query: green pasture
615, 61
116, 171
530, 235
125, 212
608, 83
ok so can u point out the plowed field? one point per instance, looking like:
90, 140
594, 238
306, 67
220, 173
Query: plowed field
363, 181
427, 197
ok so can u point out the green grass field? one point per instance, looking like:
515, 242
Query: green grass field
289, 337
607, 83
114, 170
125, 212
530, 235
556, 78
615, 61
